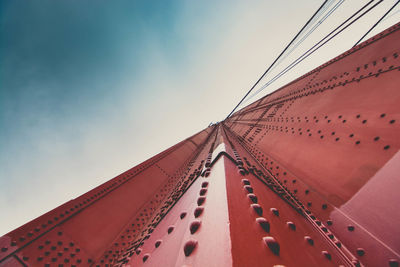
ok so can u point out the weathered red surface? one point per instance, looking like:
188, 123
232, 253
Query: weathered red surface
306, 176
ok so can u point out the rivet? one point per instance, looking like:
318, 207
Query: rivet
360, 251
252, 197
183, 214
324, 206
329, 222
307, 191
263, 223
194, 226
326, 254
138, 250
145, 257
309, 240
198, 211
291, 225
203, 191
272, 244
4, 249
393, 263
257, 208
25, 258
200, 201
338, 244
248, 188
189, 247
350, 228
274, 211
157, 243
204, 184
245, 182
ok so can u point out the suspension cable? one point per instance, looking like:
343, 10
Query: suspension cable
377, 22
262, 76
316, 47
338, 4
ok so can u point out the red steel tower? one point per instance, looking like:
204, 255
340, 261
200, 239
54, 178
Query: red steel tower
305, 176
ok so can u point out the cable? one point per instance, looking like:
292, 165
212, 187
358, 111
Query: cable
398, 11
308, 53
377, 22
338, 4
305, 53
262, 76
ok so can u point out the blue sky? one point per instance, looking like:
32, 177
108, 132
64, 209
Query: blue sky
89, 89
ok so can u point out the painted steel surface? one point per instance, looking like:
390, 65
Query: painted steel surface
306, 176
332, 138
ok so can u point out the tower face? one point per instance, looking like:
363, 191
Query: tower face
306, 176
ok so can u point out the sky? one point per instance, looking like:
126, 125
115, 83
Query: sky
89, 89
